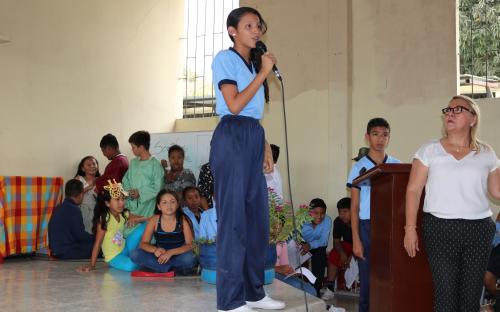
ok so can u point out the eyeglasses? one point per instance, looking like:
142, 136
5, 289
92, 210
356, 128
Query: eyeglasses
457, 110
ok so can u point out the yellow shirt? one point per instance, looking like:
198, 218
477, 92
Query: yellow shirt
113, 242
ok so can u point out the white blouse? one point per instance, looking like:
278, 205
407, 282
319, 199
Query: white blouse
457, 189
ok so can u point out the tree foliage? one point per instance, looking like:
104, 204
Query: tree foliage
480, 37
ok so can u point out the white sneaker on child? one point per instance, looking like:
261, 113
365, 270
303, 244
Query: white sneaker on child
335, 309
267, 303
244, 308
328, 295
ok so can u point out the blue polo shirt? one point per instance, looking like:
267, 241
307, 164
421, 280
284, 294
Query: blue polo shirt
194, 222
317, 236
360, 167
496, 238
208, 224
229, 67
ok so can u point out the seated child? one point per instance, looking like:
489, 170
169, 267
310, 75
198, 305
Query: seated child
493, 269
109, 224
283, 270
316, 235
67, 236
87, 173
208, 223
341, 254
178, 177
193, 209
173, 249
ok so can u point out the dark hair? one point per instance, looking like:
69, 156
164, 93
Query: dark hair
79, 171
175, 148
179, 214
377, 122
233, 20
73, 188
275, 149
189, 189
101, 212
344, 203
140, 138
109, 140
317, 202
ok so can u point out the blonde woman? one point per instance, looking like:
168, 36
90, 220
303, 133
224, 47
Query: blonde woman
458, 171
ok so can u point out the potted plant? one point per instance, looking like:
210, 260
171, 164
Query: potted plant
280, 229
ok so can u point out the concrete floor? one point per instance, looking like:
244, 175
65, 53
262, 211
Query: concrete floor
39, 285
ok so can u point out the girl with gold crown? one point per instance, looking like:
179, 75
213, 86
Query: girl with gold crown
109, 225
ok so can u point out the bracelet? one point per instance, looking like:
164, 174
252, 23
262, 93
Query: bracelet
410, 227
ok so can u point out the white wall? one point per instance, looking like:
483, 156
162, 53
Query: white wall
76, 70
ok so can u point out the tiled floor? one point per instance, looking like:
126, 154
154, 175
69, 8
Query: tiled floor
41, 285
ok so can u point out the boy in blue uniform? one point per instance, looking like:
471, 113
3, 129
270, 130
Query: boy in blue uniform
316, 235
377, 135
193, 210
238, 154
208, 224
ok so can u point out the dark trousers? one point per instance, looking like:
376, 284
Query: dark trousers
182, 264
364, 266
458, 252
236, 159
77, 251
318, 265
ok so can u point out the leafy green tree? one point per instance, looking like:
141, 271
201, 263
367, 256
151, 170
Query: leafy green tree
480, 37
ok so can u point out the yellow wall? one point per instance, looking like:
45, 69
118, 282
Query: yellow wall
76, 70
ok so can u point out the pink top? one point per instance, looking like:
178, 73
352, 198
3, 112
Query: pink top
282, 253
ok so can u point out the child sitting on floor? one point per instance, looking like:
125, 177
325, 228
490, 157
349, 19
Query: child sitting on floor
341, 254
316, 235
171, 229
193, 210
109, 225
67, 236
208, 223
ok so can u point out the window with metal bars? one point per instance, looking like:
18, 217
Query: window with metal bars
479, 48
205, 34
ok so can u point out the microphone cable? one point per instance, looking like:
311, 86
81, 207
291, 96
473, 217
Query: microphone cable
295, 232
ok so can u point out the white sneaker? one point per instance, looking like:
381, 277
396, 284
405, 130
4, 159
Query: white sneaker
266, 303
328, 295
244, 308
335, 309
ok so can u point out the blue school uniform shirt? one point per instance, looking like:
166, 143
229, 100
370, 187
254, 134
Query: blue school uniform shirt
496, 239
229, 67
208, 224
194, 222
359, 168
317, 236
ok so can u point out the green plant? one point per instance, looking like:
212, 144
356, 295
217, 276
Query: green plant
201, 241
281, 218
479, 37
280, 221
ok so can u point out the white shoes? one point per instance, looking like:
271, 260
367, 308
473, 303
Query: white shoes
335, 309
328, 295
244, 308
266, 303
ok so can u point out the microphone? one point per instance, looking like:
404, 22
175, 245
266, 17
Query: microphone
261, 47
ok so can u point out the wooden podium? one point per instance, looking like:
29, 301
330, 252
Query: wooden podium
397, 282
